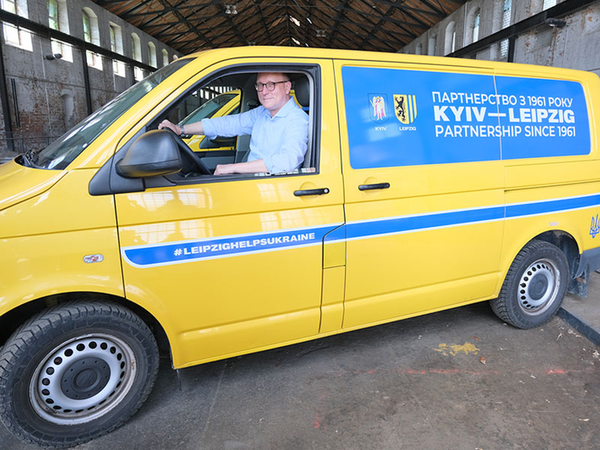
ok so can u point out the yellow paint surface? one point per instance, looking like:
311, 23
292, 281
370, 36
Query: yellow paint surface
467, 348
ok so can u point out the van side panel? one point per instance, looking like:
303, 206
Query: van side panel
427, 152
558, 193
432, 238
568, 208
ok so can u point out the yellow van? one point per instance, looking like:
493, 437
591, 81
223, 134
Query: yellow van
428, 183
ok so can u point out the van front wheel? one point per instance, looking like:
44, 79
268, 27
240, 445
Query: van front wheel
75, 372
534, 287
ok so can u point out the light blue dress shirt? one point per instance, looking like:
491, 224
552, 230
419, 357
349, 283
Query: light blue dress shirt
280, 141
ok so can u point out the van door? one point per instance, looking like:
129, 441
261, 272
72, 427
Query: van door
423, 185
235, 262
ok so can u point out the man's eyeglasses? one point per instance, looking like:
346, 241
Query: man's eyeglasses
270, 85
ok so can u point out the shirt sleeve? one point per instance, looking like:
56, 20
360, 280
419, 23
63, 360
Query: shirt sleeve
295, 141
229, 126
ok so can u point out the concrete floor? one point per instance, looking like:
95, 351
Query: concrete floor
584, 313
459, 379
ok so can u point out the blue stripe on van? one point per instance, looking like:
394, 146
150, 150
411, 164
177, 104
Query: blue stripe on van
396, 225
212, 248
186, 251
549, 206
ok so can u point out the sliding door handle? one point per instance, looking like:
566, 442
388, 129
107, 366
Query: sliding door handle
370, 187
320, 191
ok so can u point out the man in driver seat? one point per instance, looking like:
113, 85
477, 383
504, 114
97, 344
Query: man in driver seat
278, 129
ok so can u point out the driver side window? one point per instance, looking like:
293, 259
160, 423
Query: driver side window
225, 97
211, 101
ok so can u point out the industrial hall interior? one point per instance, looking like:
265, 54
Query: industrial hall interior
300, 224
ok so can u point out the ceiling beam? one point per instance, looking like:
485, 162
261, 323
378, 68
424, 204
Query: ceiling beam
167, 5
376, 27
187, 25
338, 18
263, 21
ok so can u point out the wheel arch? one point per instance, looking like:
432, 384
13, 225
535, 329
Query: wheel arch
13, 319
569, 245
566, 243
562, 239
536, 282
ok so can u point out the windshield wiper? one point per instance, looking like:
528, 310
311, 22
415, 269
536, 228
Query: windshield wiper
29, 158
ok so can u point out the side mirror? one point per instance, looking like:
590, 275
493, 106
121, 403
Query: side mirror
153, 153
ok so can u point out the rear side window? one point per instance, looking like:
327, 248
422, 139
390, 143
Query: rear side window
208, 109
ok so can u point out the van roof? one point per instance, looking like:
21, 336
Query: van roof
356, 55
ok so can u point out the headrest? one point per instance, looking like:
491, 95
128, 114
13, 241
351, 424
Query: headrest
302, 90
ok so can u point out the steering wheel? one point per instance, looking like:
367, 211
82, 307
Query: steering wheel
189, 157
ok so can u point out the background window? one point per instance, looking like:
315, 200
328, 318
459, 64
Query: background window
53, 14
57, 20
87, 28
431, 45
53, 23
136, 53
450, 38
116, 46
136, 47
91, 34
152, 54
14, 35
506, 13
138, 73
475, 28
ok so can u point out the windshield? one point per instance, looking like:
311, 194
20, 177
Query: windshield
207, 110
65, 149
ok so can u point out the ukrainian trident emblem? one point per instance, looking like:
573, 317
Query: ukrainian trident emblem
594, 227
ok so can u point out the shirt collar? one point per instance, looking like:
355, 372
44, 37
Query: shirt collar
284, 111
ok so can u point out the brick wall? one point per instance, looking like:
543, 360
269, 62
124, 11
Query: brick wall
47, 97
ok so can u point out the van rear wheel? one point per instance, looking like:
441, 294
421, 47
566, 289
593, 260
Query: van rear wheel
534, 287
75, 372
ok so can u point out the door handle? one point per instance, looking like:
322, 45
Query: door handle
320, 191
370, 187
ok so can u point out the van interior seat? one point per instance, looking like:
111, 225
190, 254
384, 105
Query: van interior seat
302, 91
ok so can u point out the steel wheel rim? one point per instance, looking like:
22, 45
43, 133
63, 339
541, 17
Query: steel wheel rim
538, 287
82, 379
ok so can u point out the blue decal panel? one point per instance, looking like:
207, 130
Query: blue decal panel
547, 118
406, 117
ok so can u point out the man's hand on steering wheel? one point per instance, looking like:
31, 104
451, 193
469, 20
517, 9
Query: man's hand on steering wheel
171, 126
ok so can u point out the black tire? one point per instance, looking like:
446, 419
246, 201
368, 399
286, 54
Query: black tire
75, 372
534, 287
